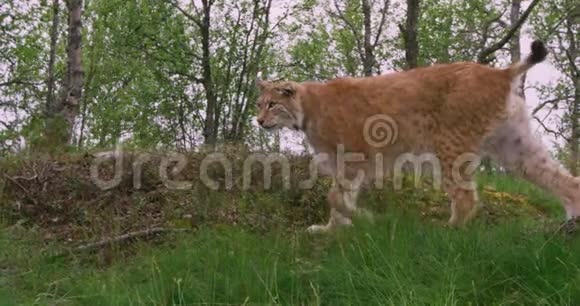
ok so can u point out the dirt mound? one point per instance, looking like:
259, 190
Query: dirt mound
75, 197
80, 197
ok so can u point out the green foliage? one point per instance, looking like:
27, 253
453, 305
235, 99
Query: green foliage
312, 57
129, 84
22, 60
557, 24
144, 70
453, 30
326, 42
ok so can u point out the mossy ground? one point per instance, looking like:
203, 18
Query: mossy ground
249, 247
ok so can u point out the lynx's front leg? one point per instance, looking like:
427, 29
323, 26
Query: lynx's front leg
458, 167
461, 190
464, 204
342, 203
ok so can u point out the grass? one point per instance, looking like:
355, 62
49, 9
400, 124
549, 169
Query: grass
401, 259
534, 196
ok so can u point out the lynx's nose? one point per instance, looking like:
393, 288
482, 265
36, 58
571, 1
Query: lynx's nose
261, 122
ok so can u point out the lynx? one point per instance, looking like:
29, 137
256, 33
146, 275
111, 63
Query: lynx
448, 110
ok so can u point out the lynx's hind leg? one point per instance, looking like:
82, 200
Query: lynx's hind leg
515, 147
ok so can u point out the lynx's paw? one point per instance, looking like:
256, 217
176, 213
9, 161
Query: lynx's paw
318, 229
331, 226
571, 226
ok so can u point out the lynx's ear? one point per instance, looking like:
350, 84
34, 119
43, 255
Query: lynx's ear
261, 84
287, 89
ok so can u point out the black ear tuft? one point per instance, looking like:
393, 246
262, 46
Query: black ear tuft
539, 52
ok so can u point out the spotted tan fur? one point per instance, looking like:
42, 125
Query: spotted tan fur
448, 110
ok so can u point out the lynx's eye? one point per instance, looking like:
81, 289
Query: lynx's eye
271, 104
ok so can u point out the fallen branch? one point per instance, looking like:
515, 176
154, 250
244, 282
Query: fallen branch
26, 191
127, 236
24, 178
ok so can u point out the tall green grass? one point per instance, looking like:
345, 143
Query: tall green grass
399, 260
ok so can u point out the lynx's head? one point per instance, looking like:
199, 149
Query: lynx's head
279, 105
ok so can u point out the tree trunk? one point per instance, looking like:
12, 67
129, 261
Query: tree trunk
86, 100
89, 77
369, 57
515, 53
573, 55
73, 79
62, 112
256, 59
277, 141
50, 82
410, 34
575, 140
211, 122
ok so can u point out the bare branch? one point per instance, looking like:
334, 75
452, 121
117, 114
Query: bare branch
483, 56
487, 25
26, 191
567, 13
550, 131
18, 82
128, 236
195, 8
280, 20
340, 14
551, 101
5, 125
8, 83
382, 24
497, 18
185, 13
571, 53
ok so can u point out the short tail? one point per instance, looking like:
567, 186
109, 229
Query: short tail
539, 53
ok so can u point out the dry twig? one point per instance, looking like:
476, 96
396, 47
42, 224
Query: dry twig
127, 236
